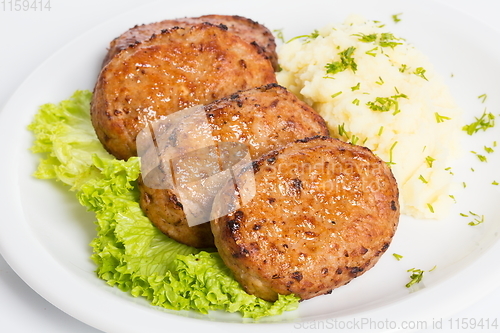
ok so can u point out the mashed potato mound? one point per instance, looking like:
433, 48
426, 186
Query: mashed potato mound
376, 90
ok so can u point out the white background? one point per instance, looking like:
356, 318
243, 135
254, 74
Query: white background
27, 39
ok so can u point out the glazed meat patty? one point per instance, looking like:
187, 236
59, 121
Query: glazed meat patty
264, 119
323, 214
173, 70
247, 29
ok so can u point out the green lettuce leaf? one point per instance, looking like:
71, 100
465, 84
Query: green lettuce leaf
130, 253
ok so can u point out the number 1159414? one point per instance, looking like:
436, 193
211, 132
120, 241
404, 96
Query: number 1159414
25, 5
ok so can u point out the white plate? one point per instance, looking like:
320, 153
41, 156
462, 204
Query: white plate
44, 233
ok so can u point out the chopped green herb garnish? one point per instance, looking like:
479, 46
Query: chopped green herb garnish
384, 104
420, 72
482, 158
415, 277
313, 35
423, 179
366, 38
341, 130
400, 96
494, 183
429, 161
380, 82
354, 139
477, 219
396, 18
380, 130
279, 34
391, 152
403, 68
356, 87
487, 120
346, 61
453, 197
440, 118
482, 97
385, 39
336, 94
355, 102
334, 67
489, 150
372, 52
388, 40
397, 256
380, 25
430, 208
464, 184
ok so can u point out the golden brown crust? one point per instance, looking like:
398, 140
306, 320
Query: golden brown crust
249, 30
264, 119
164, 210
324, 212
173, 70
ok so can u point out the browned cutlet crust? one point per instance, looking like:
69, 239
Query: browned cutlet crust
264, 119
324, 212
172, 70
247, 29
